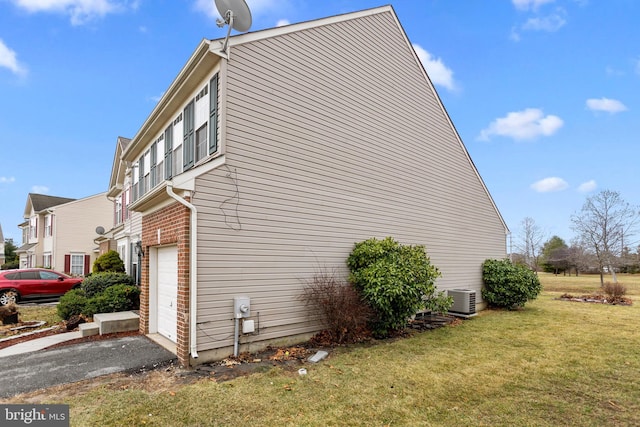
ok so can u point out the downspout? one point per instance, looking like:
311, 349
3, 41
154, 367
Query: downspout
193, 286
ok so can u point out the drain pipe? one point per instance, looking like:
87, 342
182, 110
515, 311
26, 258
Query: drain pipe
193, 283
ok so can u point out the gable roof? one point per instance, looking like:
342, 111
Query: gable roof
116, 180
40, 202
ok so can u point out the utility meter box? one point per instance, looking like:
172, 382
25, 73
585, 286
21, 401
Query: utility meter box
241, 307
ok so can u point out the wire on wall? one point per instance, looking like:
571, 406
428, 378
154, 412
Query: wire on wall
231, 218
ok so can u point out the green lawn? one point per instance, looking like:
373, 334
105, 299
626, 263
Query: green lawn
554, 363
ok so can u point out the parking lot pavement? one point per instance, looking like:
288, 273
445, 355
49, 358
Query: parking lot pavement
46, 368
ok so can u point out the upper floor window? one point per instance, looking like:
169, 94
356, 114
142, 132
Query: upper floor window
117, 213
48, 225
33, 228
188, 139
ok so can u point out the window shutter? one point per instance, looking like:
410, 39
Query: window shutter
141, 189
36, 232
67, 263
168, 151
154, 159
53, 217
87, 262
213, 114
188, 146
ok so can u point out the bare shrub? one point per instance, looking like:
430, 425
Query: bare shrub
614, 291
342, 311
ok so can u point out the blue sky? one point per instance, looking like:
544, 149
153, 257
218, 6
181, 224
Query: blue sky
544, 93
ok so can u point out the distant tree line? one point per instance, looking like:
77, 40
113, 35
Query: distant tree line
605, 227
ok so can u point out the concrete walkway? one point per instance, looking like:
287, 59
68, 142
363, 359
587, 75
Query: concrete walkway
38, 343
30, 369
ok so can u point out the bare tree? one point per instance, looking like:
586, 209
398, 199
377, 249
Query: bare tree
604, 224
530, 242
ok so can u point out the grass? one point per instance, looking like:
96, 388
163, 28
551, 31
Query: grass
587, 283
553, 363
47, 313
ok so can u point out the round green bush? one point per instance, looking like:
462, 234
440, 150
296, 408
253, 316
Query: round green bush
72, 303
395, 280
113, 299
99, 282
109, 261
507, 285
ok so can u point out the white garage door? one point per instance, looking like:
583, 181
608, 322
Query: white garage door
167, 291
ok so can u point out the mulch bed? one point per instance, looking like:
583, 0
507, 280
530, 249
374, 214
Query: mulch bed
597, 299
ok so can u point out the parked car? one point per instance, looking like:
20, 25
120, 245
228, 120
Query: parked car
34, 284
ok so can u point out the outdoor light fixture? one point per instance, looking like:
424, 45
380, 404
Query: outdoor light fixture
139, 250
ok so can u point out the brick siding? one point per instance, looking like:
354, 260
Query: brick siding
173, 223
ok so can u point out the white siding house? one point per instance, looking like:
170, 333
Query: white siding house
263, 165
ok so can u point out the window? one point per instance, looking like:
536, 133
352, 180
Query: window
77, 264
201, 143
125, 203
188, 137
46, 260
48, 225
117, 211
33, 228
49, 275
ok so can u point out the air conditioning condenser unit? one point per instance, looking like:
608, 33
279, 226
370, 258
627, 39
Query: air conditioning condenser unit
464, 302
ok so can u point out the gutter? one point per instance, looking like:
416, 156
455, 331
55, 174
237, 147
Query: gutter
193, 285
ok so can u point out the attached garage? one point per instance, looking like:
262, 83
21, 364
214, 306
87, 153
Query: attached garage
167, 291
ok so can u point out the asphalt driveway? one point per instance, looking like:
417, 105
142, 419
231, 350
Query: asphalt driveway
41, 369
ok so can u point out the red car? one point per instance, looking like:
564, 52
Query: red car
34, 284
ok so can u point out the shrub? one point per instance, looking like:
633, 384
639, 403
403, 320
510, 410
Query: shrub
98, 282
614, 292
109, 261
10, 265
113, 299
395, 280
507, 285
72, 303
342, 311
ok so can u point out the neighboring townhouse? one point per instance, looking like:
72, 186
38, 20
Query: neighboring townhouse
265, 163
59, 233
125, 232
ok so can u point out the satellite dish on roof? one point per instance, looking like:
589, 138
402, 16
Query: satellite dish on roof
235, 14
100, 230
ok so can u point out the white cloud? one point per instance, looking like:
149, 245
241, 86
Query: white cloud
156, 98
520, 125
9, 59
549, 23
587, 187
529, 4
605, 104
550, 184
257, 7
7, 179
79, 11
39, 189
282, 23
438, 72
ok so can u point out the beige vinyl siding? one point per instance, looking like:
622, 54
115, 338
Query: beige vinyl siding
75, 225
333, 136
